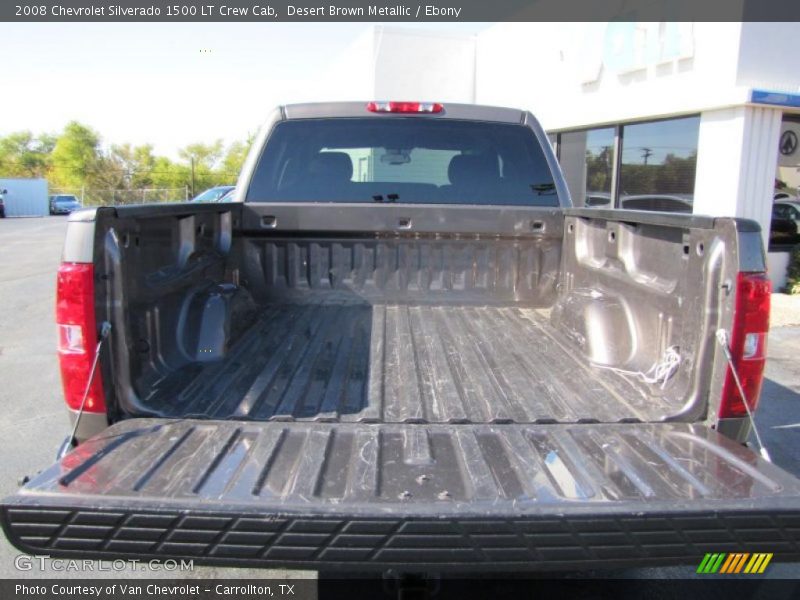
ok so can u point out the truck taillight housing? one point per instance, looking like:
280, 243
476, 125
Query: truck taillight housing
405, 107
77, 336
748, 344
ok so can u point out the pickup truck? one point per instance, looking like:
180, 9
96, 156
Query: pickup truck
403, 349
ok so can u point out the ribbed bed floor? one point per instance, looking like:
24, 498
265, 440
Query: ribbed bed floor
406, 364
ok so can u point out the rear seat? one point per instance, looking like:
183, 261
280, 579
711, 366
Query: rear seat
471, 175
328, 176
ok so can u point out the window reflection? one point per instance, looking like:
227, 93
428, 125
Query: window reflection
587, 158
657, 165
657, 169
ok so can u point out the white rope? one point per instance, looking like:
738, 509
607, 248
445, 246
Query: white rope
659, 373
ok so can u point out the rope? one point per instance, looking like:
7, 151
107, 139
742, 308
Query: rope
659, 373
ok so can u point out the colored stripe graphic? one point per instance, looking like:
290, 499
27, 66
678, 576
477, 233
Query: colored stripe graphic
730, 564
727, 564
740, 563
754, 562
764, 563
714, 567
709, 564
736, 562
703, 563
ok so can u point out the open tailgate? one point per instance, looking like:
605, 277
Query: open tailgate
363, 496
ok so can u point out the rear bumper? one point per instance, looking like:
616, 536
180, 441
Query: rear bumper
376, 543
412, 497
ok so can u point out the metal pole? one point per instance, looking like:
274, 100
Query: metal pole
616, 166
192, 159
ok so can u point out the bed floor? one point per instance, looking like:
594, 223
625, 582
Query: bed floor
406, 364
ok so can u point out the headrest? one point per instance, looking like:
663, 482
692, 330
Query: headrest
333, 166
472, 168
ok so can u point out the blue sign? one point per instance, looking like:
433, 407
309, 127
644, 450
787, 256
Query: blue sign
775, 98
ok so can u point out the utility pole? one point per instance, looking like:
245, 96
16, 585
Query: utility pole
191, 158
646, 153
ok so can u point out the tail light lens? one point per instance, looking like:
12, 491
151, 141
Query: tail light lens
77, 336
405, 107
748, 344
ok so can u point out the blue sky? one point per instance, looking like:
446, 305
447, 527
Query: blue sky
150, 83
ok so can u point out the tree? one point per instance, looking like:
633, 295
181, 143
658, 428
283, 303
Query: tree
23, 155
234, 159
75, 160
204, 158
136, 163
166, 174
598, 170
75, 157
793, 272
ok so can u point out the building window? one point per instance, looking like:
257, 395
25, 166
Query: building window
784, 231
658, 163
587, 159
553, 139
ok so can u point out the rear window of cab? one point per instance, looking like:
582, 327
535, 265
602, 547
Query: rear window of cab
403, 160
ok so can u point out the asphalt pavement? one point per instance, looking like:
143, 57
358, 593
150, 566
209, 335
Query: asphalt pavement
33, 421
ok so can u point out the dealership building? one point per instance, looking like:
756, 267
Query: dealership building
686, 117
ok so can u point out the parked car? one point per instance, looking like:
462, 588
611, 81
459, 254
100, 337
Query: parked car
681, 203
785, 224
789, 209
64, 204
213, 194
433, 364
228, 196
658, 202
598, 199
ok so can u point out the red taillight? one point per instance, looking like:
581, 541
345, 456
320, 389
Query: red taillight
405, 107
77, 336
748, 344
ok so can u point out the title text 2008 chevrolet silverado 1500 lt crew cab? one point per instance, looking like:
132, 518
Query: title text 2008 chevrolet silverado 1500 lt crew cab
405, 350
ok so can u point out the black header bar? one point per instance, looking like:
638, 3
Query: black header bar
273, 11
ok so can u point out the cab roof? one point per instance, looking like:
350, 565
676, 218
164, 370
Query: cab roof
468, 112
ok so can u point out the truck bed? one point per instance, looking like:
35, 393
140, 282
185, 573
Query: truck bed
404, 364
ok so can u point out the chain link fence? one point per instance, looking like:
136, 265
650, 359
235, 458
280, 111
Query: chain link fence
94, 197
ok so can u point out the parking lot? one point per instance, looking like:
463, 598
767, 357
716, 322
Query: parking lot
33, 422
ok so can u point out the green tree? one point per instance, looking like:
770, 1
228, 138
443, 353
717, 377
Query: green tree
676, 175
141, 166
167, 174
234, 159
136, 164
75, 158
205, 158
793, 272
23, 155
598, 170
205, 155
